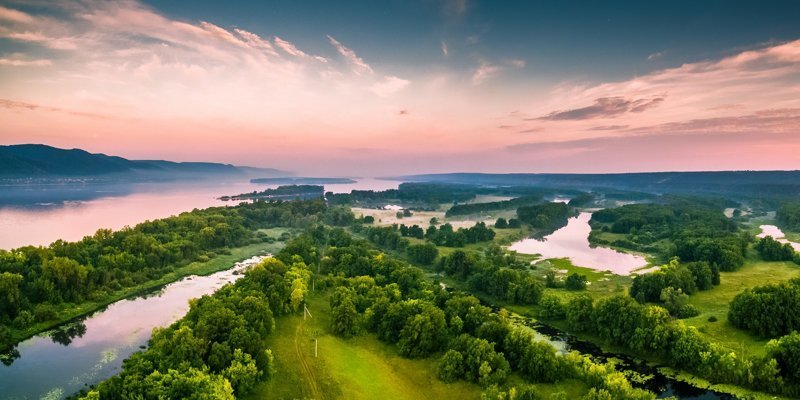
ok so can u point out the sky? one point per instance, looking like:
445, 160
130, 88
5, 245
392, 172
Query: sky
374, 88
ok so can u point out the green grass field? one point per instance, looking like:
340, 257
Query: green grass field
715, 302
358, 368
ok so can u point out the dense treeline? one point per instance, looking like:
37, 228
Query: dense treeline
475, 208
445, 235
683, 280
788, 216
37, 282
394, 300
395, 238
545, 216
581, 200
769, 310
511, 223
288, 192
692, 232
217, 350
419, 195
493, 274
622, 321
772, 250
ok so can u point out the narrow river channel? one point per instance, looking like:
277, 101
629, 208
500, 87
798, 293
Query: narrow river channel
58, 363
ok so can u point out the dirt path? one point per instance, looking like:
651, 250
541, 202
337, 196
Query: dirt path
307, 370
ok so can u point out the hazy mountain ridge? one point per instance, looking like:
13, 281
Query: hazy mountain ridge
745, 183
42, 161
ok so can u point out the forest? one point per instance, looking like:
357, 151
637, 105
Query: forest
690, 230
285, 192
475, 208
40, 283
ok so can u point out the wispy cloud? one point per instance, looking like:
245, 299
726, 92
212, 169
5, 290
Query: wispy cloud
655, 56
605, 107
517, 63
289, 48
484, 71
766, 121
9, 14
389, 85
358, 65
20, 60
608, 127
25, 106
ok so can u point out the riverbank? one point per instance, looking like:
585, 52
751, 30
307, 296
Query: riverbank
216, 264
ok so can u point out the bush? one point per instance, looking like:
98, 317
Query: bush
422, 253
551, 307
23, 319
44, 312
575, 281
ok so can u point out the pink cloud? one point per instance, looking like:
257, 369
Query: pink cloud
358, 65
484, 71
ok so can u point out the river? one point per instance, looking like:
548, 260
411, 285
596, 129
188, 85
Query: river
41, 214
657, 382
61, 362
777, 234
572, 241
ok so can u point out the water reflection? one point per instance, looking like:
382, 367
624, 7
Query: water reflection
777, 234
572, 241
651, 378
83, 352
46, 217
64, 334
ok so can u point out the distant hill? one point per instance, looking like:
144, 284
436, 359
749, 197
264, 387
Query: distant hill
738, 183
42, 161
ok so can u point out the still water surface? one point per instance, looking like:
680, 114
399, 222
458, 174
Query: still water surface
39, 215
777, 234
572, 241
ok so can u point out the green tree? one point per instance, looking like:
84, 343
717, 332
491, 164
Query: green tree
242, 372
344, 315
579, 311
10, 294
422, 253
424, 333
575, 281
451, 366
551, 307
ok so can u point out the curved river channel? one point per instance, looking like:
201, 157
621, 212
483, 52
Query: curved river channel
59, 363
664, 386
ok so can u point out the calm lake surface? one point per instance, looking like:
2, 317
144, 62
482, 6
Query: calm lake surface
572, 241
41, 214
56, 364
777, 234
